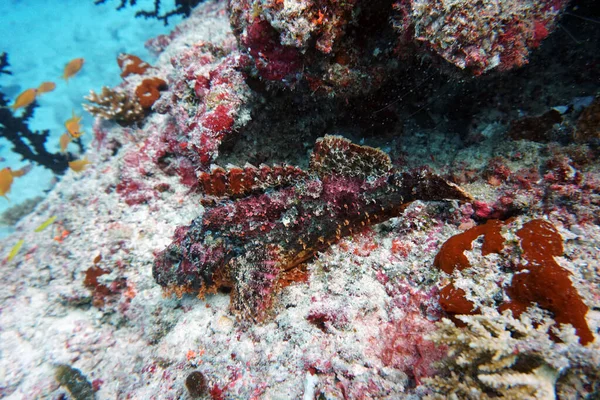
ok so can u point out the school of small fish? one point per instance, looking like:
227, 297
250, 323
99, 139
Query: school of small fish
74, 131
72, 125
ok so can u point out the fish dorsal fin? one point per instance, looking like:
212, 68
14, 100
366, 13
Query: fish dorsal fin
335, 155
234, 181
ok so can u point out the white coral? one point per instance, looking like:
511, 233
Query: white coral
516, 358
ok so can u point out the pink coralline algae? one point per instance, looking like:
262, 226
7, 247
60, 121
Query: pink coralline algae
334, 48
208, 99
479, 35
255, 243
352, 47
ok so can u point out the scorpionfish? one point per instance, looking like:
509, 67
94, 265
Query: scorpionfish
268, 221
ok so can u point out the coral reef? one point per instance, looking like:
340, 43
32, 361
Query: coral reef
124, 105
479, 36
250, 243
208, 102
296, 239
320, 44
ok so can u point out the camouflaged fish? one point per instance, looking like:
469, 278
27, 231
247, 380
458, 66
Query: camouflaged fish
274, 219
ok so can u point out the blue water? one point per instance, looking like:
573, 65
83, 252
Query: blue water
40, 37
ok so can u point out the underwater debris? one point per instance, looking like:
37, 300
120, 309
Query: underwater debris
249, 244
115, 105
75, 382
540, 280
182, 7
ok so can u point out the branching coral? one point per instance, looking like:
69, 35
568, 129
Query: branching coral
115, 105
4, 64
182, 7
497, 355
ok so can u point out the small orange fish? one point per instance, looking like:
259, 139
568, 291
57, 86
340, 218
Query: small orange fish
73, 125
79, 165
22, 171
72, 68
46, 87
6, 180
64, 141
24, 99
